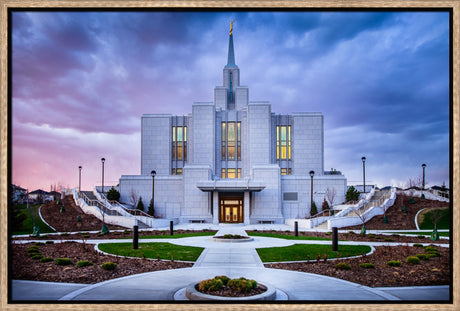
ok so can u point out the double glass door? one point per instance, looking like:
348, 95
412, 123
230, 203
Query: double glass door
231, 209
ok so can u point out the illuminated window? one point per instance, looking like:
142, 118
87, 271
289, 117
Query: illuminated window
177, 171
231, 140
231, 173
283, 142
179, 143
286, 171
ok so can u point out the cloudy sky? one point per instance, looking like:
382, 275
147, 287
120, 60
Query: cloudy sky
82, 80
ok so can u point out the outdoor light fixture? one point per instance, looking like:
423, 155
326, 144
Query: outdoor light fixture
79, 179
103, 160
364, 173
423, 181
312, 173
153, 173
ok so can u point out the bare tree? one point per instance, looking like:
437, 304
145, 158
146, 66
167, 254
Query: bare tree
330, 196
133, 197
361, 213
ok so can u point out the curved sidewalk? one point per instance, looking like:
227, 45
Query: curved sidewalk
234, 260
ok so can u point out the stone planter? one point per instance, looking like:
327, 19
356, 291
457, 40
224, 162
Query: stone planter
193, 294
227, 240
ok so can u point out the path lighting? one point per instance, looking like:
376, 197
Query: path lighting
364, 173
312, 173
153, 173
423, 180
79, 179
102, 160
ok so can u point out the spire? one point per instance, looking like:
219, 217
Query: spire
231, 52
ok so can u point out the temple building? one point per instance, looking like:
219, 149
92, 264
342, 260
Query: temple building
232, 160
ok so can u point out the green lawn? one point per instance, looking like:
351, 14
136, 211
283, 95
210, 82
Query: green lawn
444, 219
177, 235
28, 224
302, 251
153, 250
286, 236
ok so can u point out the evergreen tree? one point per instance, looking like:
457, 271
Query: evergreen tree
352, 194
140, 204
113, 195
314, 209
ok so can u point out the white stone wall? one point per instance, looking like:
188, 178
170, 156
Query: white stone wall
241, 97
156, 144
259, 133
302, 186
204, 118
197, 204
220, 97
168, 193
266, 205
307, 143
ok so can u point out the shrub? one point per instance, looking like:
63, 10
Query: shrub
423, 256
46, 259
328, 233
223, 278
433, 254
342, 266
49, 242
388, 240
242, 285
33, 249
64, 234
108, 265
210, 285
84, 263
372, 236
394, 263
37, 256
430, 248
39, 243
63, 261
86, 235
413, 260
367, 265
418, 245
113, 194
395, 235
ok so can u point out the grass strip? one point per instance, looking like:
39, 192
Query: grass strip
176, 235
27, 226
160, 250
441, 214
309, 252
287, 236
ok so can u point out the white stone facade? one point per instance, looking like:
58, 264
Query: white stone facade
232, 160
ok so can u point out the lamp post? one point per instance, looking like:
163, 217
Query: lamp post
312, 173
79, 179
364, 173
423, 180
102, 160
153, 173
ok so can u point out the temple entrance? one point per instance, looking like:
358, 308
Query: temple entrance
231, 208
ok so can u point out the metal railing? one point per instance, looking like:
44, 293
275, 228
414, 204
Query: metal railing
372, 203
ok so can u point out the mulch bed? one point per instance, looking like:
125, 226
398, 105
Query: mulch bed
26, 268
226, 291
397, 219
68, 221
435, 271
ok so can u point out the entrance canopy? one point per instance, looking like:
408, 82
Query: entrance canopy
231, 185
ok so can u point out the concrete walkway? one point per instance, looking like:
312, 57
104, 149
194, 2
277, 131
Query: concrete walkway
223, 258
